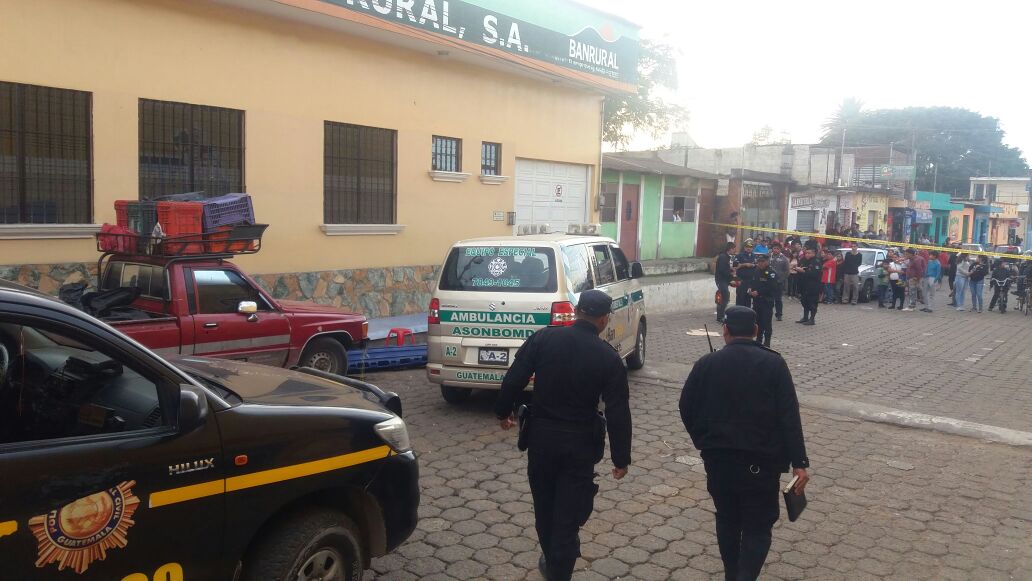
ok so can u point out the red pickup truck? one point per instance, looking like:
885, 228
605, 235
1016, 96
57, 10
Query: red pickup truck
205, 305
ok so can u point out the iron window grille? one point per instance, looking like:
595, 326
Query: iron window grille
190, 148
359, 174
447, 154
610, 193
46, 158
491, 159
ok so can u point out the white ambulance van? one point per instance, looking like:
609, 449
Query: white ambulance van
494, 293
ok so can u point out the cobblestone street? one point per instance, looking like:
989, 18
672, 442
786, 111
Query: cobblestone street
885, 501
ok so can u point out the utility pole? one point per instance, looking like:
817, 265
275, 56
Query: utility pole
842, 159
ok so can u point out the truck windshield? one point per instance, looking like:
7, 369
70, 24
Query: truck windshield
500, 269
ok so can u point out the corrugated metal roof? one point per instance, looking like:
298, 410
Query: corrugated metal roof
654, 166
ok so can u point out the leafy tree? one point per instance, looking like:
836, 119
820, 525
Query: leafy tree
644, 110
848, 112
952, 144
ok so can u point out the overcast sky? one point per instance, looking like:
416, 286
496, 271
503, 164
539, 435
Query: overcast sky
749, 63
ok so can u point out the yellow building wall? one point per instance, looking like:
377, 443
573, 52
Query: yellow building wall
289, 78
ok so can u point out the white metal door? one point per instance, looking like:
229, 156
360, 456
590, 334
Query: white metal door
552, 193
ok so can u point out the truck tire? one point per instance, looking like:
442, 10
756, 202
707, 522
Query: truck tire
866, 291
455, 395
636, 360
325, 354
312, 544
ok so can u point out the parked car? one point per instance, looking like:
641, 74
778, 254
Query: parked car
1008, 252
118, 464
205, 305
871, 258
494, 293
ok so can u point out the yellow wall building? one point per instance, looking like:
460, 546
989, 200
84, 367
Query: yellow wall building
270, 92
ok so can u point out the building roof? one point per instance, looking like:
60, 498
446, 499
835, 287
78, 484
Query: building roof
761, 176
1000, 179
651, 165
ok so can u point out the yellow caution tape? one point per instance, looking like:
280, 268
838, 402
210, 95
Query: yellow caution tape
869, 242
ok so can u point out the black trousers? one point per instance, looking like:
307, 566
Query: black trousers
764, 319
725, 297
742, 298
746, 499
561, 469
779, 304
999, 296
809, 297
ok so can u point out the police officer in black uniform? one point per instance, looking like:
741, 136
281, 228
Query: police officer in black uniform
809, 271
722, 276
745, 269
763, 290
572, 368
739, 406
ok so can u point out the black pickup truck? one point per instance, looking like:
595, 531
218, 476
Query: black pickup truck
116, 464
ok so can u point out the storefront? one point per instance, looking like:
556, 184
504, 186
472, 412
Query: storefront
962, 224
1004, 225
869, 210
369, 138
810, 211
938, 230
653, 208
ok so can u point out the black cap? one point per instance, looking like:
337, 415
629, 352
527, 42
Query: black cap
740, 320
761, 256
595, 303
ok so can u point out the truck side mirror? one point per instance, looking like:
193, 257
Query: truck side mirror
193, 408
247, 307
637, 271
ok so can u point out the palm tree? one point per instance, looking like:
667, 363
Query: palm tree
849, 113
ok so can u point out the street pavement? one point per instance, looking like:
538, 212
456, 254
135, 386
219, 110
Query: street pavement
963, 365
886, 502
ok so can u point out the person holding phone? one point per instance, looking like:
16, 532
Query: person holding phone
740, 408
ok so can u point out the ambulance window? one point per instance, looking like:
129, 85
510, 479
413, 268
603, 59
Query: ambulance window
578, 269
69, 387
604, 272
500, 268
623, 269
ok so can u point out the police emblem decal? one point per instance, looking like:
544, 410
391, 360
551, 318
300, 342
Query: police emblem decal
497, 267
82, 531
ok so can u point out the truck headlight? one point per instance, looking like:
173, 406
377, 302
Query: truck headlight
394, 432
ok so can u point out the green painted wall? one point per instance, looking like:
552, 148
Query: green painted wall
678, 240
650, 209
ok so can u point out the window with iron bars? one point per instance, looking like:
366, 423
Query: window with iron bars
491, 159
447, 154
46, 168
359, 174
190, 148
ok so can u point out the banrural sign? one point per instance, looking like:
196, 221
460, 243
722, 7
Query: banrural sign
569, 36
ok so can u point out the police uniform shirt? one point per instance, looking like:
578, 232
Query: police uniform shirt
740, 402
572, 368
747, 273
811, 274
765, 283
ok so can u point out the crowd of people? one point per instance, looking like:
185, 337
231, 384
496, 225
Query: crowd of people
818, 271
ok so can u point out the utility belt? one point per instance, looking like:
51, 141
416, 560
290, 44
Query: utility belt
596, 428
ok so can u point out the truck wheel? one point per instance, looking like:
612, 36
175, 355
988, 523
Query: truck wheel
636, 360
315, 544
455, 394
866, 291
327, 355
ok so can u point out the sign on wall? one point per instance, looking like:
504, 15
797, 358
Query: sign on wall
574, 38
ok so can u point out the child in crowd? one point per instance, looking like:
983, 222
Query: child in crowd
881, 277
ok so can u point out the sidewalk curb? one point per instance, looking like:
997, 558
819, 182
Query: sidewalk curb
672, 375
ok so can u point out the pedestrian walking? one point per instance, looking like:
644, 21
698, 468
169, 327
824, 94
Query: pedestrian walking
976, 279
779, 263
851, 263
722, 275
960, 283
932, 278
763, 292
828, 275
745, 270
572, 368
740, 408
809, 271
916, 266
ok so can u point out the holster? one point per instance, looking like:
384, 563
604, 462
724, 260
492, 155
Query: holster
523, 418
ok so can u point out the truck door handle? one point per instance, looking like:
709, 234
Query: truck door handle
211, 325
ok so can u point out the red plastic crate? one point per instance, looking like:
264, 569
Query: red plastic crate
217, 242
183, 225
122, 212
